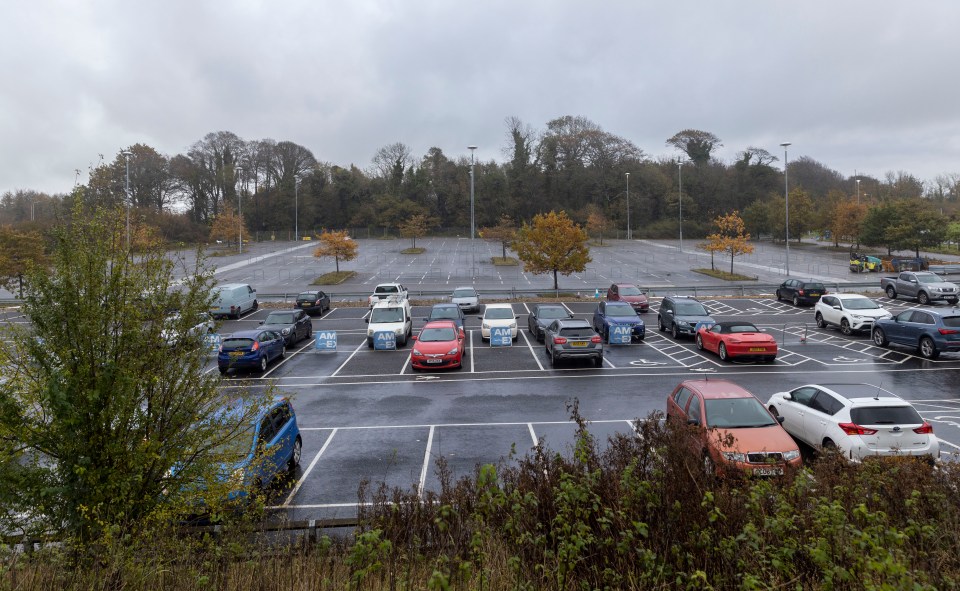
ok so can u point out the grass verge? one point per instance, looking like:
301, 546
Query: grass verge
504, 261
334, 278
717, 274
413, 250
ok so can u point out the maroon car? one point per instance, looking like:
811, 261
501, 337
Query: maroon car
630, 293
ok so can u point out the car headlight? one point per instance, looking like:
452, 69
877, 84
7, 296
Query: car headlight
513, 325
791, 455
452, 351
417, 353
398, 331
734, 456
285, 331
485, 325
682, 323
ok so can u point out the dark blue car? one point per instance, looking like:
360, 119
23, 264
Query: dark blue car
446, 312
609, 313
250, 349
929, 331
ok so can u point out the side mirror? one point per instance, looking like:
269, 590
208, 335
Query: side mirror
414, 337
693, 422
837, 308
426, 318
569, 315
366, 320
261, 322
780, 419
462, 334
788, 396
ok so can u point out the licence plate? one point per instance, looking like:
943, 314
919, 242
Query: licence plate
236, 353
434, 360
305, 304
757, 349
578, 344
768, 471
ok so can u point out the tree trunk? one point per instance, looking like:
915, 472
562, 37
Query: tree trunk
337, 259
731, 262
504, 245
555, 285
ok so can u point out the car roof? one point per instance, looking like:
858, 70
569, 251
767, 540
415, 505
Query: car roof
680, 297
625, 284
713, 389
572, 322
861, 394
490, 306
229, 285
849, 296
539, 306
445, 306
465, 287
440, 324
392, 303
248, 334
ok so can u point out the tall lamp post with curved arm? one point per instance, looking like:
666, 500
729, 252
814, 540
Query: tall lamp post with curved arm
786, 198
239, 170
629, 231
126, 192
680, 163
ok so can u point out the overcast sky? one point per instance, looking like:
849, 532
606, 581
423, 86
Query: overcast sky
867, 85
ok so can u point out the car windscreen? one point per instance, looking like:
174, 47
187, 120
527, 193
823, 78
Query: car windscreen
464, 293
386, 315
432, 335
279, 318
860, 304
690, 309
498, 313
930, 279
814, 287
630, 291
231, 344
387, 289
445, 314
885, 415
620, 310
552, 313
734, 413
584, 332
307, 295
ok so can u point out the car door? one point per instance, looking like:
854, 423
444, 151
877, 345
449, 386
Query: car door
666, 313
273, 344
264, 463
282, 445
599, 317
302, 322
897, 330
828, 310
711, 337
818, 416
794, 411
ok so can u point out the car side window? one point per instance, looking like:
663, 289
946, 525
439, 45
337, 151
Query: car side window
694, 411
803, 395
267, 429
905, 316
681, 398
823, 402
922, 318
280, 417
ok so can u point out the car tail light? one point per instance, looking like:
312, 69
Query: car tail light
947, 331
256, 346
799, 292
853, 429
559, 341
596, 339
924, 429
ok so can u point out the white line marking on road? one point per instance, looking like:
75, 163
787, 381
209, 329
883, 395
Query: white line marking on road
309, 469
355, 351
473, 368
532, 352
426, 464
449, 425
533, 434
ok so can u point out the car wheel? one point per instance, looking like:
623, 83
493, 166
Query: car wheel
891, 293
598, 362
828, 444
699, 343
660, 325
796, 302
928, 350
845, 327
953, 301
283, 352
922, 298
263, 363
295, 456
674, 331
540, 335
310, 332
820, 322
553, 359
369, 343
606, 335
773, 410
879, 339
256, 305
778, 295
402, 342
223, 371
722, 352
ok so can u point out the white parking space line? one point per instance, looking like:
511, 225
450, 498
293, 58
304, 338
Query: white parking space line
406, 362
426, 463
309, 469
608, 362
532, 352
449, 425
473, 368
363, 343
533, 434
568, 308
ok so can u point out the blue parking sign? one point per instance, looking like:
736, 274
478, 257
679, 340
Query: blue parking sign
326, 340
619, 334
384, 340
212, 342
706, 323
501, 336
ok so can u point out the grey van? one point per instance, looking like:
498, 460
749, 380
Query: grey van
233, 299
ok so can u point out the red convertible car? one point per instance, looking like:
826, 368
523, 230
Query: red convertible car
737, 340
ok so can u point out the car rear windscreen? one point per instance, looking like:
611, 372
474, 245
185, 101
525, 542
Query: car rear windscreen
951, 321
387, 289
885, 415
236, 344
583, 332
814, 287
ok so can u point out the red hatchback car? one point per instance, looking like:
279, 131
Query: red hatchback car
440, 344
732, 430
737, 340
630, 293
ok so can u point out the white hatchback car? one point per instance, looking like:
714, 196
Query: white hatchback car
498, 315
849, 312
860, 420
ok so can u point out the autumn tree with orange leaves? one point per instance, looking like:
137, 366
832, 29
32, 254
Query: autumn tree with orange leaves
227, 226
337, 245
730, 237
505, 232
552, 243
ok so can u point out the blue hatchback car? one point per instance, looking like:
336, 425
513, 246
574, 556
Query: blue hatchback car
275, 449
250, 349
929, 331
609, 313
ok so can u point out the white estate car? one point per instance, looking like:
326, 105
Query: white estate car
849, 312
467, 298
391, 315
498, 315
860, 420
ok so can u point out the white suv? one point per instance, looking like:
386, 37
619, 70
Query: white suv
849, 312
391, 315
860, 420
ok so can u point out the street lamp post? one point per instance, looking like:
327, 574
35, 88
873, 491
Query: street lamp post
471, 148
126, 192
296, 209
786, 195
629, 233
858, 191
239, 170
680, 199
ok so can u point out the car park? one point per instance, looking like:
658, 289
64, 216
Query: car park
313, 302
446, 312
849, 312
859, 420
385, 291
544, 314
930, 332
572, 338
737, 340
250, 349
293, 325
467, 298
681, 315
731, 430
232, 300
440, 344
800, 292
390, 315
629, 293
608, 314
499, 316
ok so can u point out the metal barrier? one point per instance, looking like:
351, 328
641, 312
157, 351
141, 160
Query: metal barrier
783, 332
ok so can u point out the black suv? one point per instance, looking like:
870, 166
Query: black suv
682, 315
292, 324
800, 292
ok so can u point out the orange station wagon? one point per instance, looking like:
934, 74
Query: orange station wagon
732, 428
